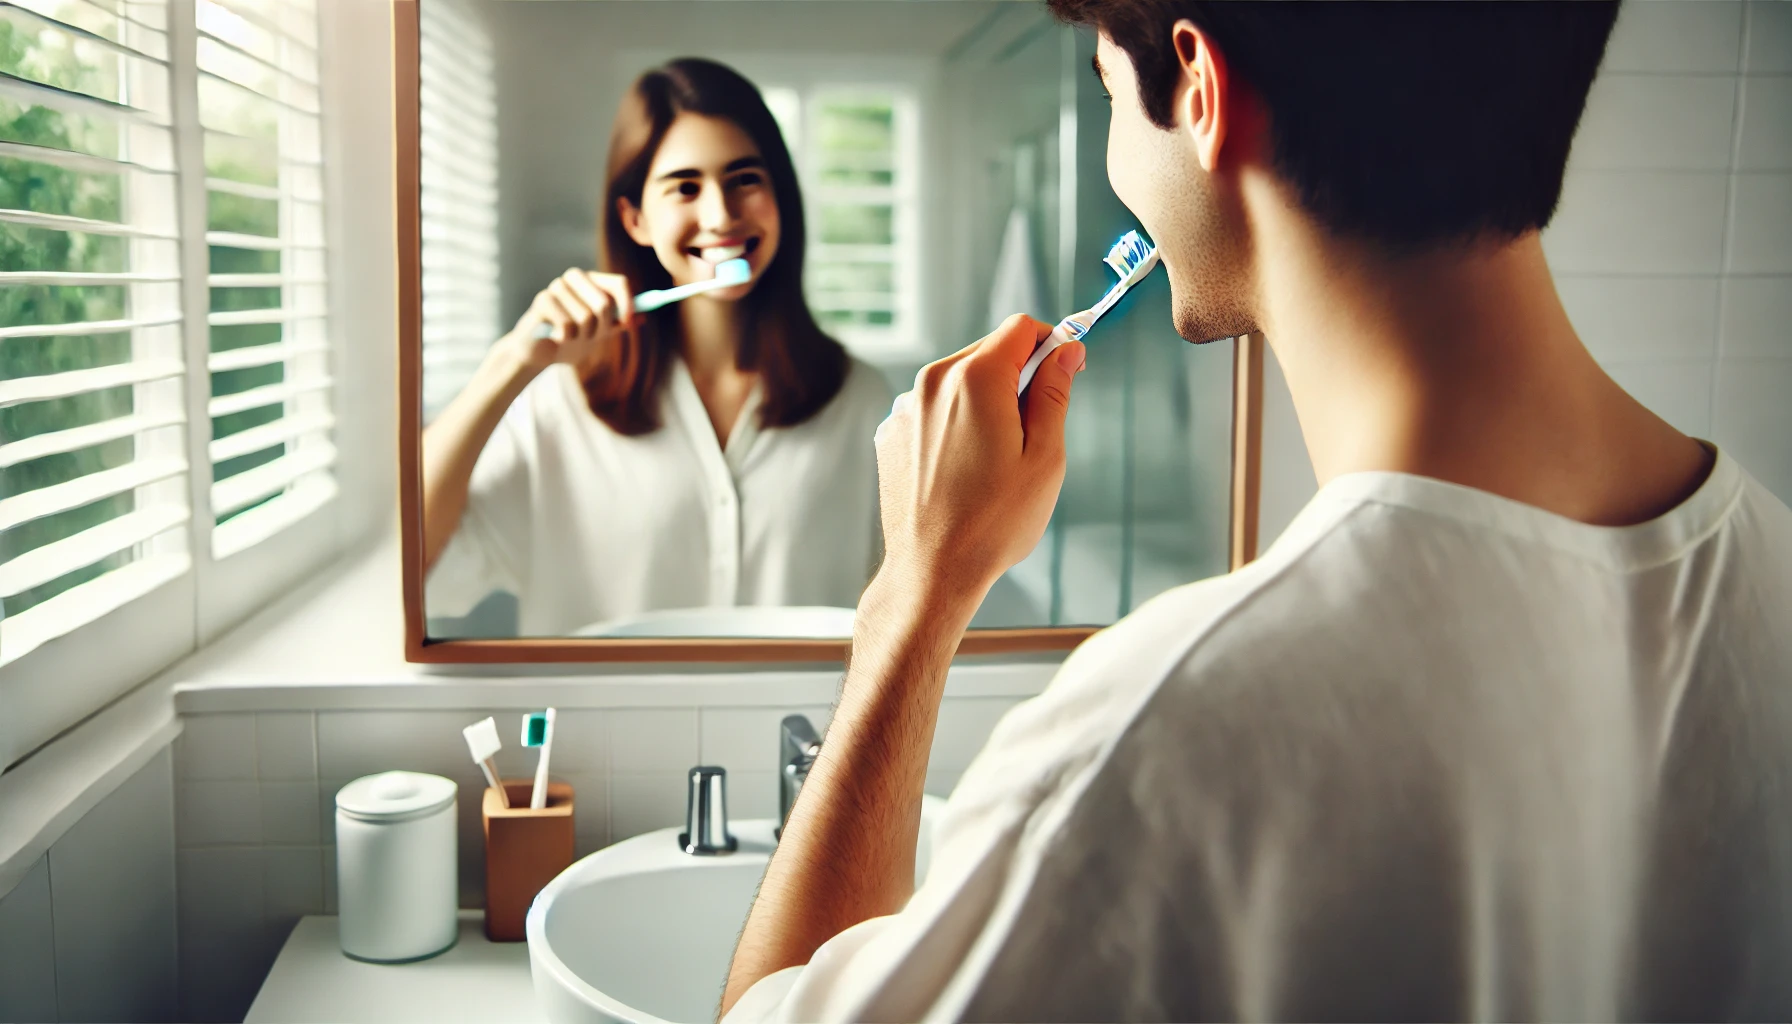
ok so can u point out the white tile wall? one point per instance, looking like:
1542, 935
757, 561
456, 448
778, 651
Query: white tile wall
112, 886
1629, 115
1761, 230
1752, 417
1672, 246
1676, 37
1756, 314
89, 935
1626, 318
28, 949
1765, 139
1769, 49
1638, 222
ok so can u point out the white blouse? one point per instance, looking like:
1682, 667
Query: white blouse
585, 525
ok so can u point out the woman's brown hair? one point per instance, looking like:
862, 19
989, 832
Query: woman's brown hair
800, 368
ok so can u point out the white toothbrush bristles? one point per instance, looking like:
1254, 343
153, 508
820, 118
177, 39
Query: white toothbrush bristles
1129, 255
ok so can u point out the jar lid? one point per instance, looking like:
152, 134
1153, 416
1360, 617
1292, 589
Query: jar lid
395, 796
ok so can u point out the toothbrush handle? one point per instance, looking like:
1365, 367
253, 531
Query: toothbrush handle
1058, 337
538, 796
491, 776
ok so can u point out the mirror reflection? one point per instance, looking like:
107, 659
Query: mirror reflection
678, 257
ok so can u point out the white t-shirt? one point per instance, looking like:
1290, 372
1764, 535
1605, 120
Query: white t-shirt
586, 525
1436, 755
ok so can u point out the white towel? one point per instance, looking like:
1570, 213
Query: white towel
1016, 285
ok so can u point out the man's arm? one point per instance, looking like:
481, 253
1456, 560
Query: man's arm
966, 490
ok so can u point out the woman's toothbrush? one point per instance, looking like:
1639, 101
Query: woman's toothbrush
538, 731
728, 274
1132, 258
482, 740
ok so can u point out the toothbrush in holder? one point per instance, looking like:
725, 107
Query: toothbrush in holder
1132, 258
538, 731
482, 741
728, 274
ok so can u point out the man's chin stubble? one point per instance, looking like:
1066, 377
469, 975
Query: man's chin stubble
1204, 326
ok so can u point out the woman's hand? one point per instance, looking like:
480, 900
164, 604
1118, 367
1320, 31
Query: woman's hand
967, 476
587, 312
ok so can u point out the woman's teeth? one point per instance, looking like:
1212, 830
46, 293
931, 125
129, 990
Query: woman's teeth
722, 253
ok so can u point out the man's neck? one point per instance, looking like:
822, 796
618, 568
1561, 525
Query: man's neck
1462, 367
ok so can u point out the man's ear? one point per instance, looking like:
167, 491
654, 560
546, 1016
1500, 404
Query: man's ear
1204, 93
632, 222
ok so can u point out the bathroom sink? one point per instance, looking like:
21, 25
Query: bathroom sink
642, 932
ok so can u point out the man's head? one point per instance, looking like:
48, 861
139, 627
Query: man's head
1403, 127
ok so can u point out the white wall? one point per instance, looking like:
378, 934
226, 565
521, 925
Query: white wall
256, 822
89, 935
1672, 247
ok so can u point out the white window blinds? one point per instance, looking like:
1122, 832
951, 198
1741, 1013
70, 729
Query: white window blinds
459, 197
272, 460
99, 415
93, 485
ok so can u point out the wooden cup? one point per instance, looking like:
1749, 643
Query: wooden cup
524, 850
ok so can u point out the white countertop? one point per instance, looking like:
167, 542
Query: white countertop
476, 981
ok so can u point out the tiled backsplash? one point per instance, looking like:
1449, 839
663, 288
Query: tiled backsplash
255, 802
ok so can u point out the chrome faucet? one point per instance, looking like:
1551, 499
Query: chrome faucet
797, 748
706, 813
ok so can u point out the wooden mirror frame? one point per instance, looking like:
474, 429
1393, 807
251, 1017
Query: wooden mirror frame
1247, 431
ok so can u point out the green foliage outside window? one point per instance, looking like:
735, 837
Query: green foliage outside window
44, 56
45, 188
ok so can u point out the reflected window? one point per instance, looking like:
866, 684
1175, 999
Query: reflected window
855, 148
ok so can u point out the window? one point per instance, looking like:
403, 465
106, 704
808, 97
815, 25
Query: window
855, 151
93, 489
147, 434
459, 197
268, 357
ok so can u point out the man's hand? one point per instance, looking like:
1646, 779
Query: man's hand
968, 481
967, 485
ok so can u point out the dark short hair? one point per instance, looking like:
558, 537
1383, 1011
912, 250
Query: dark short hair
1409, 125
800, 367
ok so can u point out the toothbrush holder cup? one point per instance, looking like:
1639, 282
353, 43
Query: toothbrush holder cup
524, 850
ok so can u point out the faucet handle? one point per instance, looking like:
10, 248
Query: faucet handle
797, 749
706, 813
797, 740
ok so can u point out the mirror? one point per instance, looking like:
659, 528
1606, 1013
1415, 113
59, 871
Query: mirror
701, 481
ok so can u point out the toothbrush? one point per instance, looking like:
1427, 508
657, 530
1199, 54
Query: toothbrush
482, 740
728, 274
538, 731
1132, 258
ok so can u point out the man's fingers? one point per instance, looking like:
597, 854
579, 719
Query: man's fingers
1048, 399
1013, 343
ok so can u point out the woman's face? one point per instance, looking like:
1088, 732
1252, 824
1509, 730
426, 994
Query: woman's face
707, 199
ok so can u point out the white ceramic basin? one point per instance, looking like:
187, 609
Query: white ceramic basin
642, 932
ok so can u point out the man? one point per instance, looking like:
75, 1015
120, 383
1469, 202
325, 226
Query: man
1501, 727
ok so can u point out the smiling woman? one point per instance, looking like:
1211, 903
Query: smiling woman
712, 453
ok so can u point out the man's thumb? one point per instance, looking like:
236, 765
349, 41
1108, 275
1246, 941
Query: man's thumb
1048, 396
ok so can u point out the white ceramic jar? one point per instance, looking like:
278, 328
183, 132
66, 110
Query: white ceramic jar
396, 884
